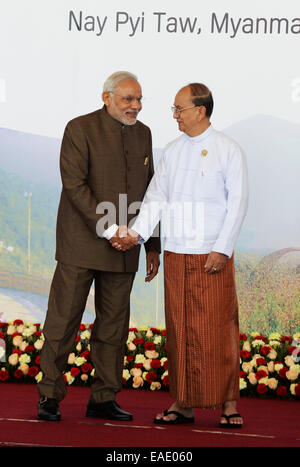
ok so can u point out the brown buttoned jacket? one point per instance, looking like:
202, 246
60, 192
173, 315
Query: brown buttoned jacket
100, 159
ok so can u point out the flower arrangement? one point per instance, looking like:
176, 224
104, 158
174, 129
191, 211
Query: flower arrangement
269, 366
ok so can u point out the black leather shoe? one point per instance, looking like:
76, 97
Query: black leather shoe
48, 409
109, 410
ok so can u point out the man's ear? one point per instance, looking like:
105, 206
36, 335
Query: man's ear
202, 112
106, 97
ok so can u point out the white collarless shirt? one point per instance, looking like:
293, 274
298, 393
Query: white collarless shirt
200, 193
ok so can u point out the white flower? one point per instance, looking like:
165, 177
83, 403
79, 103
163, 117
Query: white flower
147, 364
131, 346
79, 347
39, 377
243, 384
247, 346
2, 353
38, 344
163, 360
71, 358
126, 374
272, 354
28, 331
13, 359
70, 379
85, 335
274, 344
275, 336
140, 358
131, 336
257, 342
24, 358
79, 361
155, 385
157, 340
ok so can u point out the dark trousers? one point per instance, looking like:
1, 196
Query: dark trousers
67, 301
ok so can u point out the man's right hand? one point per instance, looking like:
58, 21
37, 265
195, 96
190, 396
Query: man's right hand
124, 239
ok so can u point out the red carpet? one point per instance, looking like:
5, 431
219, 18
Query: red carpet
267, 423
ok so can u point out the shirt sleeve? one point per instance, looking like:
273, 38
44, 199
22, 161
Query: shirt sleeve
153, 203
110, 232
237, 202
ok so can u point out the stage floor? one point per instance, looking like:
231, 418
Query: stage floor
267, 423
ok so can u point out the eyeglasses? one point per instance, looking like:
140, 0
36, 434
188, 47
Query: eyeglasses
128, 99
178, 110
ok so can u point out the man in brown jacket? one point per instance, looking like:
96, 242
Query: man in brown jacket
106, 165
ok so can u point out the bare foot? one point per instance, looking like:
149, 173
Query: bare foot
230, 408
187, 412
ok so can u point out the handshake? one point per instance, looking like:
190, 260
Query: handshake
124, 238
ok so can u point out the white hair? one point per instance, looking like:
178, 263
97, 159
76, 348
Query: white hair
113, 80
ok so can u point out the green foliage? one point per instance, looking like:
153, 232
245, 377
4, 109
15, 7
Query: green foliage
14, 225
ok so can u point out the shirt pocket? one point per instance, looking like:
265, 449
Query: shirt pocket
211, 184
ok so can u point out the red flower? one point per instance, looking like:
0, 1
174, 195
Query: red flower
165, 380
292, 349
77, 339
151, 376
245, 354
286, 339
1, 335
33, 371
138, 365
18, 374
243, 374
261, 374
261, 361
29, 348
86, 354
18, 351
149, 346
130, 358
261, 388
133, 330
74, 372
3, 325
163, 332
165, 365
38, 333
138, 340
4, 375
265, 350
282, 372
155, 331
243, 337
281, 391
260, 338
38, 360
18, 322
155, 363
82, 327
86, 367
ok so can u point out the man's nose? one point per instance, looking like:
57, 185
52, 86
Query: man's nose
136, 104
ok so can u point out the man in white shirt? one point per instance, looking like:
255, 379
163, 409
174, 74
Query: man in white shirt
200, 192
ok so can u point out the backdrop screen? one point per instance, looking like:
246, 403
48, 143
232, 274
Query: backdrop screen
54, 59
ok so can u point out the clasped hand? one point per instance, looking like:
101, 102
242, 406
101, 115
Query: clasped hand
124, 239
